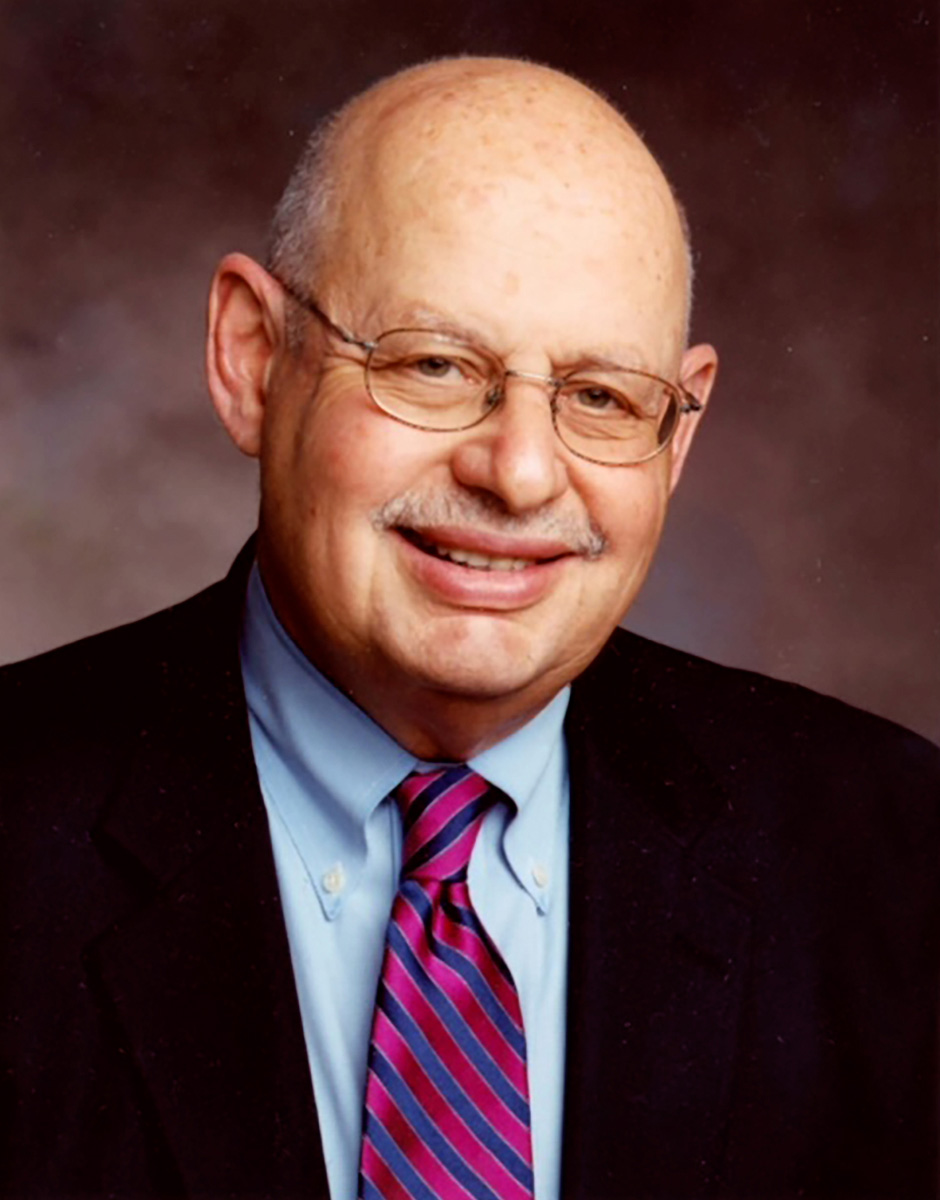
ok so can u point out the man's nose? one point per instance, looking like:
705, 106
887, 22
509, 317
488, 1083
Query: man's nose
515, 453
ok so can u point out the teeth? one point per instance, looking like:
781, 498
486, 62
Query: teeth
482, 562
470, 558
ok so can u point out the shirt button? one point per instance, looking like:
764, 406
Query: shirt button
334, 880
540, 875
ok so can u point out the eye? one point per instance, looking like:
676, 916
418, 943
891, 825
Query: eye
613, 396
598, 398
452, 371
436, 367
592, 398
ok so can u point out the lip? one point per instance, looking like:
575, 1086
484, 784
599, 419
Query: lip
469, 587
494, 545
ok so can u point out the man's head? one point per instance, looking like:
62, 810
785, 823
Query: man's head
452, 582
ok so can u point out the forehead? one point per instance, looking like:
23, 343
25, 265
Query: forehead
488, 213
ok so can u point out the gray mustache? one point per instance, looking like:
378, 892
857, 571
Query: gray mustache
417, 510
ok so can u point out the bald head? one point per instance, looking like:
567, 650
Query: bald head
497, 142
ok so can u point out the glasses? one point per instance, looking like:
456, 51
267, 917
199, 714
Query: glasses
615, 416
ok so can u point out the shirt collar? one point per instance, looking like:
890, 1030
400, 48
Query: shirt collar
328, 765
530, 766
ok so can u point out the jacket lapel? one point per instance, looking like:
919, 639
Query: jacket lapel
657, 948
198, 971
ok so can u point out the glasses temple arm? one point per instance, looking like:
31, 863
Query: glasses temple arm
312, 307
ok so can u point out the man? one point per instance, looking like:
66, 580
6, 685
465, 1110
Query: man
705, 901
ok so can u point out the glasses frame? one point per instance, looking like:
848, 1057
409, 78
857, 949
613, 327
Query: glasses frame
683, 399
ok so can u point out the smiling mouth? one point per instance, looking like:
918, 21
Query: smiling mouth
470, 558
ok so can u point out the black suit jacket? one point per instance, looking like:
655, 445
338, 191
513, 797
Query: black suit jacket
752, 982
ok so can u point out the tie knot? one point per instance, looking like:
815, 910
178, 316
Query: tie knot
441, 812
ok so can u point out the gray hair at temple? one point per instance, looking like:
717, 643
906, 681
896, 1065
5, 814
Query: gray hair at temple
300, 229
301, 222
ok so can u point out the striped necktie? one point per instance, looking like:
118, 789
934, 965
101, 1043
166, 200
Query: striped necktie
447, 1101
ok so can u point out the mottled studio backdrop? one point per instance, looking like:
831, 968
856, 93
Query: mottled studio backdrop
143, 138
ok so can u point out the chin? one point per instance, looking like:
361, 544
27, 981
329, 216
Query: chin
477, 661
467, 681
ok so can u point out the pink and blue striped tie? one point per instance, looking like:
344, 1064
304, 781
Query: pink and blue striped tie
447, 1101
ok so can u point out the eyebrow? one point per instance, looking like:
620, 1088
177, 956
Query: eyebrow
425, 318
602, 359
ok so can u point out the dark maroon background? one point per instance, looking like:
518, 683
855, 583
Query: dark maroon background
140, 140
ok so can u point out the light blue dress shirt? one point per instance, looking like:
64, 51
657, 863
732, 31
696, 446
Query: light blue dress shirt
326, 770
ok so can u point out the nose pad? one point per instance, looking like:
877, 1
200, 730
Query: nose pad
494, 397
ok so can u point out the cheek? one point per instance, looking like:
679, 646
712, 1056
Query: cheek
333, 437
352, 448
633, 522
631, 511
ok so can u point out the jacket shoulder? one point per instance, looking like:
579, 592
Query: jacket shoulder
73, 714
106, 670
741, 722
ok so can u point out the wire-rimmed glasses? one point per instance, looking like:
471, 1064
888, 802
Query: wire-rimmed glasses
616, 416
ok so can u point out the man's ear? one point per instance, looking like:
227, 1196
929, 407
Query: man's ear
697, 376
246, 324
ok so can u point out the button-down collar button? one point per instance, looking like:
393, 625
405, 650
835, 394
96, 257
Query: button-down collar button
334, 880
540, 875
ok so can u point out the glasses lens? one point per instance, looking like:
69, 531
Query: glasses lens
430, 381
616, 416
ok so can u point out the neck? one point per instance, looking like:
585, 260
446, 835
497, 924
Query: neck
437, 726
